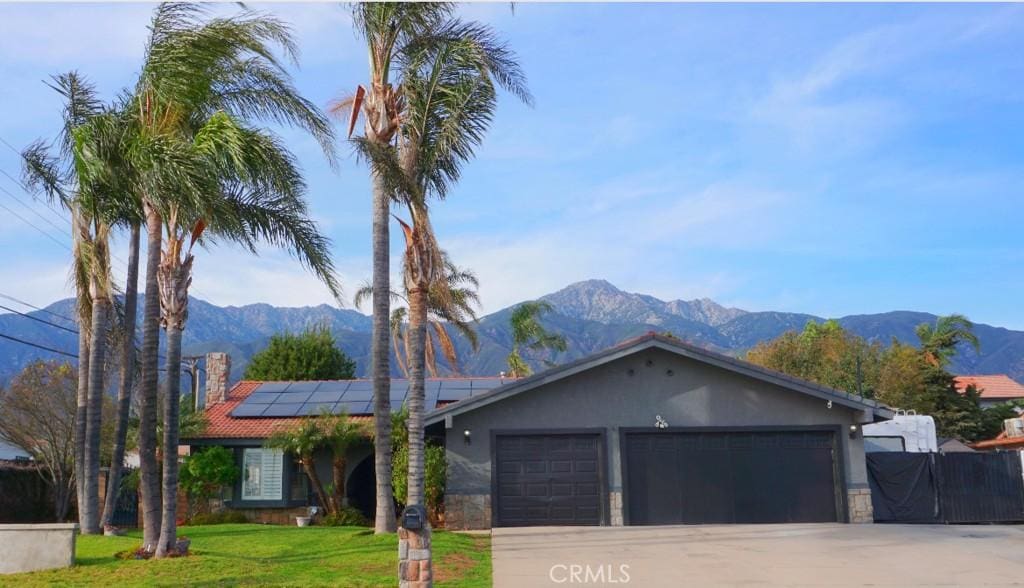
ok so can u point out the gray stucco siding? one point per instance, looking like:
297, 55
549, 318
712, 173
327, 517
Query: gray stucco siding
630, 392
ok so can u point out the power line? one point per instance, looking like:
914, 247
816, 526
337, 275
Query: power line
35, 318
23, 303
32, 210
26, 221
37, 346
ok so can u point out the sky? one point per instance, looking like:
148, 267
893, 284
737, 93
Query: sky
829, 159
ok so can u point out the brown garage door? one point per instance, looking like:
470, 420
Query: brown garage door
548, 479
731, 477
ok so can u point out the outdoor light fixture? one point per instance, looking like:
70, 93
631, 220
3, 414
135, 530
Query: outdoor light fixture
853, 431
660, 422
466, 436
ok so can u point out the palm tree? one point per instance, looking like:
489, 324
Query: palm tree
451, 303
939, 341
340, 434
389, 29
302, 442
81, 178
449, 79
126, 376
529, 333
203, 170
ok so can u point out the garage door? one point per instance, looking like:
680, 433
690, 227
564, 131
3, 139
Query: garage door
548, 479
730, 477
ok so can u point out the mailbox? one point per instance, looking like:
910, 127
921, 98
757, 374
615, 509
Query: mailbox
414, 517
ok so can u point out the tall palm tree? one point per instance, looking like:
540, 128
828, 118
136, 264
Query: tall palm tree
201, 78
388, 28
939, 341
528, 332
449, 90
80, 177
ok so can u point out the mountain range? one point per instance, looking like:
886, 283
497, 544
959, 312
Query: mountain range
591, 315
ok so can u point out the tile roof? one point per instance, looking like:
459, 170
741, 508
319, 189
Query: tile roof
1000, 442
221, 425
994, 386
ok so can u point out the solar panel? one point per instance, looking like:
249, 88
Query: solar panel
361, 407
329, 396
358, 395
316, 408
249, 410
333, 386
289, 397
280, 409
454, 394
273, 387
262, 398
303, 386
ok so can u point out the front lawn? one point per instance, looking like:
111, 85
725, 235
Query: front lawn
266, 554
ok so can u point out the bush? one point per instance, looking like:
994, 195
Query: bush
227, 517
435, 467
346, 517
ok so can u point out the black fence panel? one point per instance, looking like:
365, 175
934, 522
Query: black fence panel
903, 487
981, 487
126, 511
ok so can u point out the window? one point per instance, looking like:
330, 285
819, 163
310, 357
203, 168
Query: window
261, 474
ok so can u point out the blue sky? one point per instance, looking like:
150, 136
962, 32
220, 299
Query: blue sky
831, 159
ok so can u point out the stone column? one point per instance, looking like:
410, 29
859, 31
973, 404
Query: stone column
859, 504
414, 562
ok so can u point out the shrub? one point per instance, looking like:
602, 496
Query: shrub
205, 472
435, 473
227, 517
346, 517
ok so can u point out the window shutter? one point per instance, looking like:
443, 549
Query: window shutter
272, 474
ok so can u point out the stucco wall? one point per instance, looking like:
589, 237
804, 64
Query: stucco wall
27, 548
685, 392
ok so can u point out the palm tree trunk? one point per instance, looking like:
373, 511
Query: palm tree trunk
172, 405
338, 473
309, 466
380, 361
149, 467
89, 510
80, 411
127, 377
417, 385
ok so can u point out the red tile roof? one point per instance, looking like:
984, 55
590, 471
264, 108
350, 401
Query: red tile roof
221, 425
1000, 442
996, 386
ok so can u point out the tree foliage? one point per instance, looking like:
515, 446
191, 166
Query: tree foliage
901, 376
529, 333
205, 472
312, 355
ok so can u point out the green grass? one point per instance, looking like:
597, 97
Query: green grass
231, 555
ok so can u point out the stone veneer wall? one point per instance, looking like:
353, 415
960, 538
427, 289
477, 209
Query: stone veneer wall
615, 502
859, 504
218, 373
467, 511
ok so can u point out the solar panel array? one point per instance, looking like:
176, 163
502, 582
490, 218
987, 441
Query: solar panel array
355, 397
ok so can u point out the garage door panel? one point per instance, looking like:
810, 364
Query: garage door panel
556, 483
730, 477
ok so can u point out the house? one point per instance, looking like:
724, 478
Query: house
652, 431
993, 389
272, 487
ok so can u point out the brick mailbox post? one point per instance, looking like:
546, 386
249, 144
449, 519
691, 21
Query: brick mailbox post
414, 561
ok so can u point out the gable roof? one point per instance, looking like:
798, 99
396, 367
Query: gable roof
991, 387
654, 341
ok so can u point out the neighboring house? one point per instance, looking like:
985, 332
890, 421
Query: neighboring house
652, 431
993, 389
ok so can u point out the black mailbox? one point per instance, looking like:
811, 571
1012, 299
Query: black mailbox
414, 517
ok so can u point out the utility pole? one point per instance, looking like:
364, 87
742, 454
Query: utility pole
191, 365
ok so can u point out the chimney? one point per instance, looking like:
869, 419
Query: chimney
218, 372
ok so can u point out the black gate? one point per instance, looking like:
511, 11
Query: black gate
126, 513
946, 487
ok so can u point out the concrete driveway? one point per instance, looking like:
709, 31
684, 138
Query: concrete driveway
760, 555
